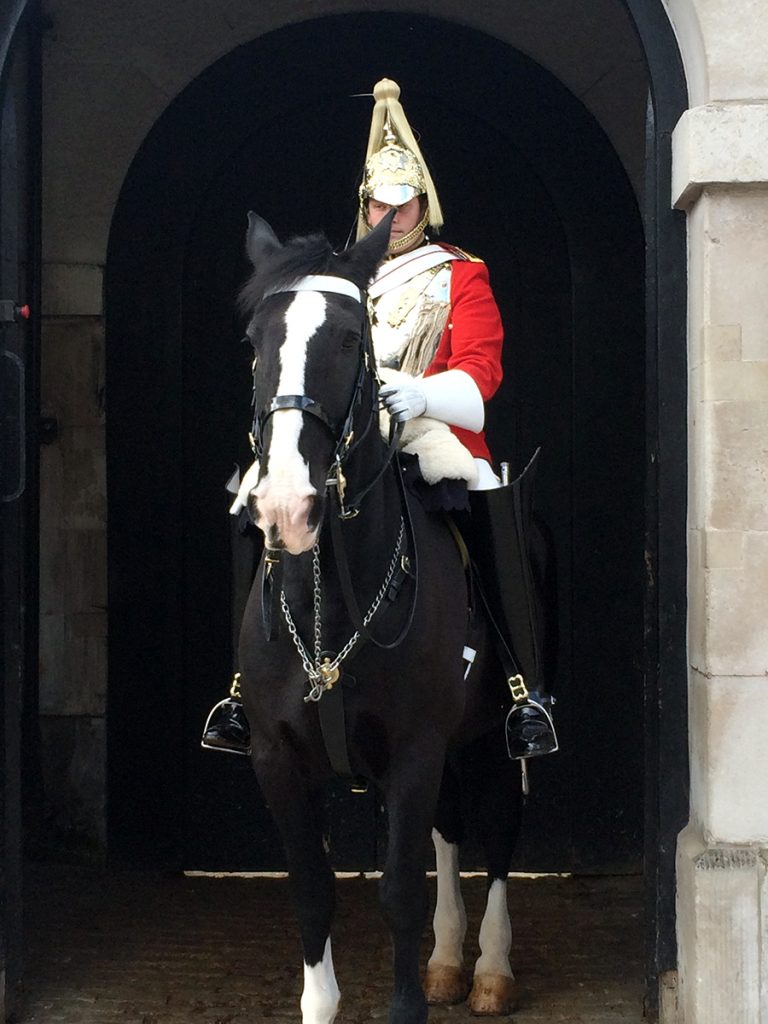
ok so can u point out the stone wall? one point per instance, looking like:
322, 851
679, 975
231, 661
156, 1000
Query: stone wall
720, 172
73, 584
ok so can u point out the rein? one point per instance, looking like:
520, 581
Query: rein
326, 670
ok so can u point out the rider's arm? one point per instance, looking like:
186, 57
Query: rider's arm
466, 370
452, 397
473, 337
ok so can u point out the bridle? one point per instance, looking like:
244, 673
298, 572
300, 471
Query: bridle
345, 442
343, 433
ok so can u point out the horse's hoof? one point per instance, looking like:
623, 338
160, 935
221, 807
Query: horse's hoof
493, 995
444, 985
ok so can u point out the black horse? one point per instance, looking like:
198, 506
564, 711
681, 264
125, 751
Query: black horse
365, 583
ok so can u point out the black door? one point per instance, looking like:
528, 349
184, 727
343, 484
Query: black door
18, 503
535, 188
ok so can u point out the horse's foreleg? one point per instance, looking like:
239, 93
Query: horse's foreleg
411, 799
445, 980
299, 820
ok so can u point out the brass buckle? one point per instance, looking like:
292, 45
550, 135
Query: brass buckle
271, 559
341, 482
517, 688
234, 690
329, 673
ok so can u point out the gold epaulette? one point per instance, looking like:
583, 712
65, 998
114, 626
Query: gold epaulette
461, 253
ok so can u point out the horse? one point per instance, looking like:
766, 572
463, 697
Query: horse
373, 596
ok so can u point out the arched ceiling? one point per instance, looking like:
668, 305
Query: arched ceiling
112, 69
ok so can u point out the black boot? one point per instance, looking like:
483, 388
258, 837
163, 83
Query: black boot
499, 539
226, 727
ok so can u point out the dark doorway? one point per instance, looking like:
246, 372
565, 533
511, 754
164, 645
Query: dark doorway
531, 183
19, 402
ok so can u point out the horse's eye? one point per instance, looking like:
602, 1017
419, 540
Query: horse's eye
350, 339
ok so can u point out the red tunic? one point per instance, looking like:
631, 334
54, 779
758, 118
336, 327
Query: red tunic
472, 338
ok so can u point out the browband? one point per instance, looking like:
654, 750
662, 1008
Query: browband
324, 283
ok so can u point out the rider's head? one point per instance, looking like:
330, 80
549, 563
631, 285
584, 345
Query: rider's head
396, 175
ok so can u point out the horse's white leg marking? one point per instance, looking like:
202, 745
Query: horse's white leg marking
320, 998
495, 933
450, 920
445, 980
283, 496
494, 990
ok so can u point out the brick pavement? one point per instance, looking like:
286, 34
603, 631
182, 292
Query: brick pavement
130, 948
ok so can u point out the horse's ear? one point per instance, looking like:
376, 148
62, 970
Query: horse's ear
361, 261
260, 239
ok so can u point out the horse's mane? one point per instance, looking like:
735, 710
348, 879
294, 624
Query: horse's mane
310, 254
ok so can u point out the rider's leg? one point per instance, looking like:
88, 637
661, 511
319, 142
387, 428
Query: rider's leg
500, 539
226, 727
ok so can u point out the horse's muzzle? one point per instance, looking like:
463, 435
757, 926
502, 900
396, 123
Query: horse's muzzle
288, 522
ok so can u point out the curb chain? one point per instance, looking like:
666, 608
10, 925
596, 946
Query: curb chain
322, 675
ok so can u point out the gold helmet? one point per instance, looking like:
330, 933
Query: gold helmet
395, 170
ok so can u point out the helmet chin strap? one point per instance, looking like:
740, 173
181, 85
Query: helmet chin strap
407, 240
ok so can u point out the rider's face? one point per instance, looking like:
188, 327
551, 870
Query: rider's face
406, 217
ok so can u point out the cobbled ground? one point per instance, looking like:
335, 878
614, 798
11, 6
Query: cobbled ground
109, 947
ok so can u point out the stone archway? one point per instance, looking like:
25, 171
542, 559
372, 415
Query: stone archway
184, 219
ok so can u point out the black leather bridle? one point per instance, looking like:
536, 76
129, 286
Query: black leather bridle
343, 432
345, 442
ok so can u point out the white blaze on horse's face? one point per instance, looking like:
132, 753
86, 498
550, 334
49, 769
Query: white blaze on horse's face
284, 497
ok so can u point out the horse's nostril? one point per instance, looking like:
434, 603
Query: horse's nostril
273, 539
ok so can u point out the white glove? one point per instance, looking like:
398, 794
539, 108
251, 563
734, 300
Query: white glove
405, 400
451, 397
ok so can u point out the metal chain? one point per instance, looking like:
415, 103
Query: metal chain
316, 582
316, 675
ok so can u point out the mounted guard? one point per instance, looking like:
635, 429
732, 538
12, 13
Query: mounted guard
384, 697
437, 337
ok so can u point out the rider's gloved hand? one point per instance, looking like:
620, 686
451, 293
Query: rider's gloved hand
451, 396
405, 400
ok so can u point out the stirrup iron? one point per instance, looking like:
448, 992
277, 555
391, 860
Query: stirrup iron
529, 728
226, 727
